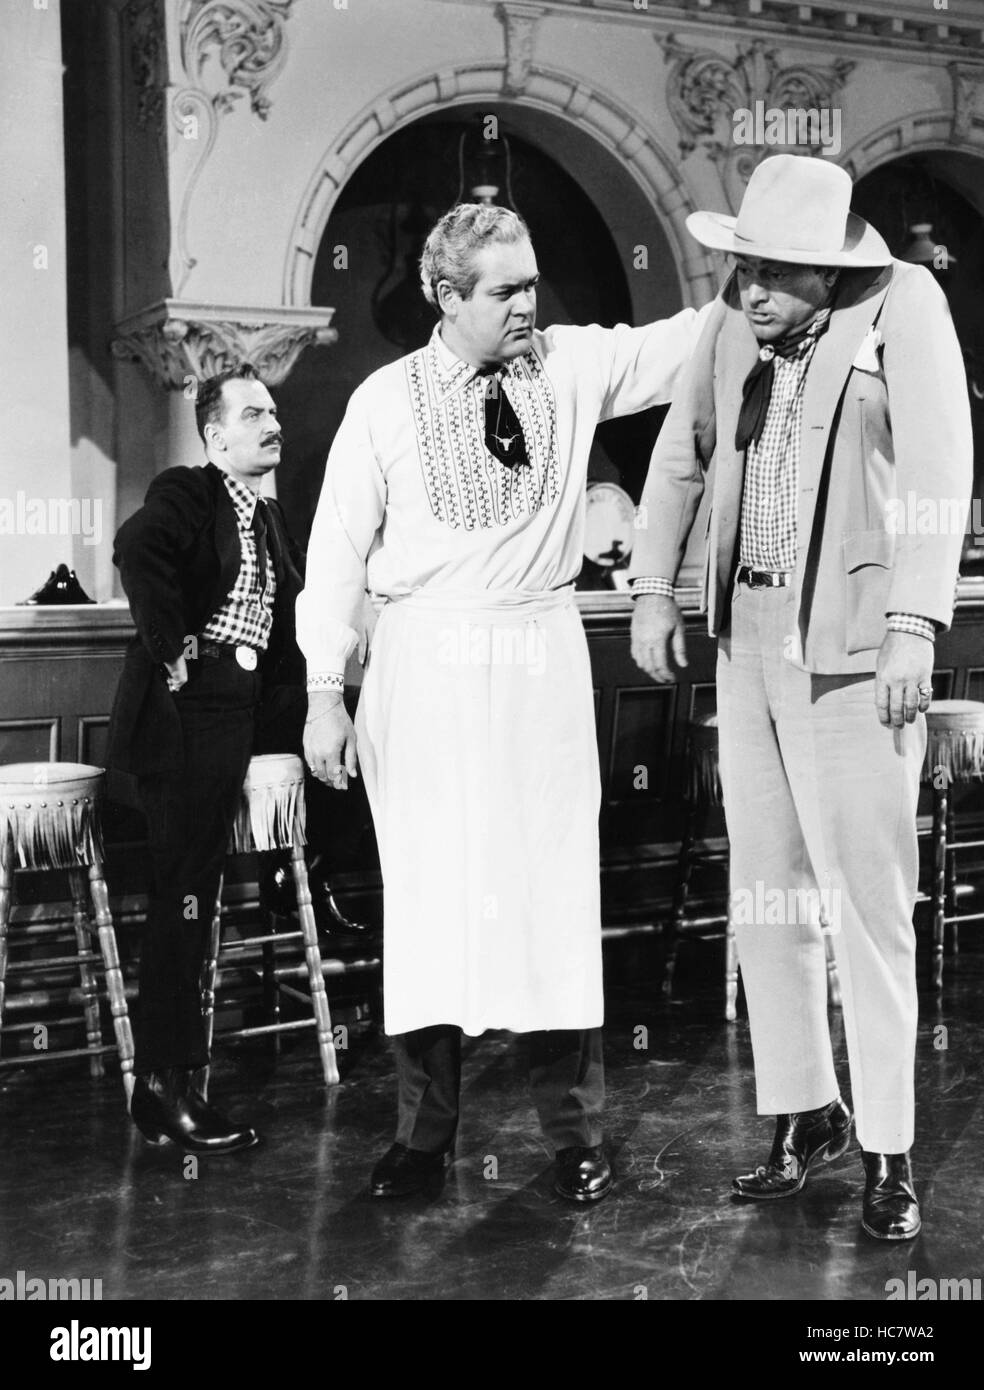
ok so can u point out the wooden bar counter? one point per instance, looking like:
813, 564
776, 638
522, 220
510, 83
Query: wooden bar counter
59, 667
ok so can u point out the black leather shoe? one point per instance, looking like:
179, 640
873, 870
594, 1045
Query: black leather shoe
890, 1210
583, 1173
276, 886
328, 915
800, 1138
166, 1107
277, 894
402, 1171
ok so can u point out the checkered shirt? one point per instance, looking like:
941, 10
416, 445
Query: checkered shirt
246, 616
768, 512
768, 509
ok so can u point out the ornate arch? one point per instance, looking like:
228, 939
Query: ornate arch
920, 133
587, 107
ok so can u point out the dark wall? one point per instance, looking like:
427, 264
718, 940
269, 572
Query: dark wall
915, 189
380, 221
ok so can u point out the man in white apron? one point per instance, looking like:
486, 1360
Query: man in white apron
455, 490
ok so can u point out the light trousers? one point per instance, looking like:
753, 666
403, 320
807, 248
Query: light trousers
820, 801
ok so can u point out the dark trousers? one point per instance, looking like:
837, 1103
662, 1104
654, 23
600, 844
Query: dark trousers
225, 718
567, 1081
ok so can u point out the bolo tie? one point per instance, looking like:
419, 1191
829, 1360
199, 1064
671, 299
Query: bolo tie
503, 432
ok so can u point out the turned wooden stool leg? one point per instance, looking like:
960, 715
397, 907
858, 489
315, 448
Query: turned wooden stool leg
940, 807
6, 885
208, 982
730, 971
951, 878
114, 975
90, 990
833, 979
680, 890
319, 996
270, 986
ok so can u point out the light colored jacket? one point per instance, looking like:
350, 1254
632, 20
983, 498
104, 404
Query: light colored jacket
886, 462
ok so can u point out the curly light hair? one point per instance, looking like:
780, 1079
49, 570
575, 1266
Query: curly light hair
449, 252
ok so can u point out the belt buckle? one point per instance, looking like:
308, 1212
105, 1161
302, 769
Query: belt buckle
246, 657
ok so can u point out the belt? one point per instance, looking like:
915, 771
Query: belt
247, 657
763, 579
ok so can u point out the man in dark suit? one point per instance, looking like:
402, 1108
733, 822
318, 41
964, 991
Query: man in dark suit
213, 676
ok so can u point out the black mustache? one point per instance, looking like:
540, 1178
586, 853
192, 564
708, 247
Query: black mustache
271, 439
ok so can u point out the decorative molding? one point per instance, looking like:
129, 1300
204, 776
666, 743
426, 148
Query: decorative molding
590, 109
189, 105
175, 339
228, 48
705, 89
921, 131
520, 21
968, 84
908, 29
248, 37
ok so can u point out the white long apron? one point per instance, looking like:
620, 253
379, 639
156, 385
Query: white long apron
476, 722
477, 745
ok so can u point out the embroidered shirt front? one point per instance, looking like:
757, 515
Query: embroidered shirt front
466, 486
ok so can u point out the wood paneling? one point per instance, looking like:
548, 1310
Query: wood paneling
29, 740
59, 668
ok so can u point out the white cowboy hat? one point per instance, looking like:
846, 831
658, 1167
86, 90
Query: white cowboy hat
796, 208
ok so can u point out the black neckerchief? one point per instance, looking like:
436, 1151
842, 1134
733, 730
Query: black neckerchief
757, 389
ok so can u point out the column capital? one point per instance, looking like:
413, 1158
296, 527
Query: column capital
176, 339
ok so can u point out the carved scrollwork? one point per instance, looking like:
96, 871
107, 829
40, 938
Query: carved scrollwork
701, 89
177, 339
248, 39
706, 89
195, 120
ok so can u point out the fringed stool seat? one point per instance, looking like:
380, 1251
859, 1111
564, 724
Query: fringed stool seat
702, 792
271, 816
50, 820
954, 755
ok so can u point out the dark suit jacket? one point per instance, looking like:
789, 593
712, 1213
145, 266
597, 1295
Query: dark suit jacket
178, 557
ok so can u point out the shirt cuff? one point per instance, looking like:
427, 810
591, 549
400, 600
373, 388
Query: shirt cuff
912, 623
647, 585
325, 680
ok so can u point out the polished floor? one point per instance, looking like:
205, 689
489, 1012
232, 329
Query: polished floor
83, 1196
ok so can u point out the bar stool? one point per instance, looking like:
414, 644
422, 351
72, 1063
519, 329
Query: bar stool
954, 754
50, 819
271, 816
702, 792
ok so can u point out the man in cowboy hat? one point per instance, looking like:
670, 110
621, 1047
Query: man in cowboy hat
827, 382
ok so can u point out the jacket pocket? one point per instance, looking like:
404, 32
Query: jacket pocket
868, 559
